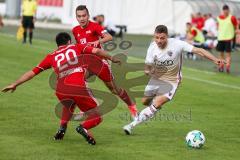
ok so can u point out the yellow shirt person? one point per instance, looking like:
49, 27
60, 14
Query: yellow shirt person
29, 9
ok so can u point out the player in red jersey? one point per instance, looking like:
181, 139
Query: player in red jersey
71, 63
91, 33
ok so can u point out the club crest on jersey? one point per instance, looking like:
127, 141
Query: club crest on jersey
88, 32
170, 53
78, 35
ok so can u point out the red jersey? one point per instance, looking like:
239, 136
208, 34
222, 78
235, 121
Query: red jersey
200, 23
66, 63
91, 33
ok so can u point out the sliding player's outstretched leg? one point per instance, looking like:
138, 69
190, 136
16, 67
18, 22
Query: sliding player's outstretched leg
146, 113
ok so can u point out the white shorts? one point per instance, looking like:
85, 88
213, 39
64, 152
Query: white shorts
157, 87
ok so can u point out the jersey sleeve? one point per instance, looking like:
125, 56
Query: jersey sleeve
100, 31
186, 47
85, 49
149, 58
45, 64
234, 21
74, 34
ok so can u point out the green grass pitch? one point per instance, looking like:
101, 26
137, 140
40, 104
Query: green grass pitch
206, 101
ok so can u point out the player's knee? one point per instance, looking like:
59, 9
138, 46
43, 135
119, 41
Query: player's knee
146, 101
158, 102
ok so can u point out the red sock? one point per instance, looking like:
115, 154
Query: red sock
91, 121
66, 115
228, 68
133, 110
124, 96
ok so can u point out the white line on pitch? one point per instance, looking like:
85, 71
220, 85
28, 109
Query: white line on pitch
213, 82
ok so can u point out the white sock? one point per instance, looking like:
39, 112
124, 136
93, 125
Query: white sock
145, 115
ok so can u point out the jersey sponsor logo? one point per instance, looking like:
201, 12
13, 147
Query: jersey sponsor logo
70, 71
163, 63
88, 32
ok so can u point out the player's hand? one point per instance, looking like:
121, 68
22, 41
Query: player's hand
116, 60
147, 72
219, 62
11, 88
95, 43
34, 19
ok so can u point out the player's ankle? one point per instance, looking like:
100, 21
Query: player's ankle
63, 128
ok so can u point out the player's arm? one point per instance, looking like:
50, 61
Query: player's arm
45, 64
75, 35
149, 60
206, 54
24, 78
104, 54
99, 52
103, 34
106, 38
147, 69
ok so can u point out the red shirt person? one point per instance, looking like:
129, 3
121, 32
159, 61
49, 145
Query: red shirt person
93, 34
70, 63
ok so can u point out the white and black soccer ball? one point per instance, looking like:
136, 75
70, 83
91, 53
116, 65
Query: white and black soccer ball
195, 139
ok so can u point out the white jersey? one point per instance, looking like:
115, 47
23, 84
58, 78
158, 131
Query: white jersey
167, 63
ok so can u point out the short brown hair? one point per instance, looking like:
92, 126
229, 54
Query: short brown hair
161, 29
81, 8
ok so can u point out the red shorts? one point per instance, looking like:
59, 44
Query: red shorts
84, 103
106, 74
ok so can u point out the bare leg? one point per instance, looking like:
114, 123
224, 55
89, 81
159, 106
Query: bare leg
228, 60
221, 67
147, 113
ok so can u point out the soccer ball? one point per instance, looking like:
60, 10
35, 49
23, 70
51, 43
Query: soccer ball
195, 139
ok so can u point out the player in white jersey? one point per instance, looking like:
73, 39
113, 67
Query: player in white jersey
163, 64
